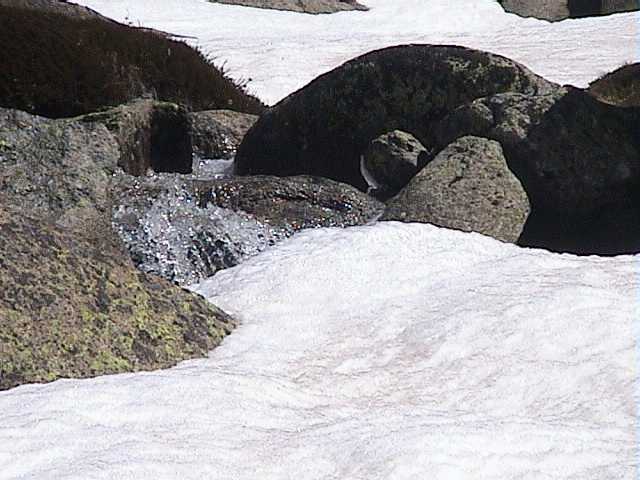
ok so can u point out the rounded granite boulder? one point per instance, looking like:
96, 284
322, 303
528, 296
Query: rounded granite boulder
324, 128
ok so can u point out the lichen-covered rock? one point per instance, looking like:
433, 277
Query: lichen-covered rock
393, 159
324, 128
302, 6
217, 133
75, 306
55, 167
578, 159
151, 135
469, 187
186, 229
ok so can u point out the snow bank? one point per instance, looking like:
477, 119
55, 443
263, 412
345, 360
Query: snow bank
392, 351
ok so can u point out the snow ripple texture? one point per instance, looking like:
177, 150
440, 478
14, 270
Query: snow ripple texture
391, 351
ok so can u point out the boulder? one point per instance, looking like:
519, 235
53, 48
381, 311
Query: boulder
151, 135
325, 127
468, 187
56, 167
392, 159
185, 228
620, 87
302, 6
578, 159
217, 133
555, 10
73, 306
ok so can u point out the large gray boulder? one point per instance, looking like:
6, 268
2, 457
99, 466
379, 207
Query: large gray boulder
578, 159
302, 6
57, 168
555, 10
217, 133
392, 159
468, 187
324, 128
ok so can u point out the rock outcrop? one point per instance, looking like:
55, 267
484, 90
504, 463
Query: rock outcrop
56, 168
302, 6
75, 306
468, 187
217, 133
71, 301
324, 128
578, 159
555, 10
152, 135
391, 160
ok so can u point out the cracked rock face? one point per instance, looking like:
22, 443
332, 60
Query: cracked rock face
217, 133
468, 187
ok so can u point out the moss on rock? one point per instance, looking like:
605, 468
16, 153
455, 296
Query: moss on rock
72, 308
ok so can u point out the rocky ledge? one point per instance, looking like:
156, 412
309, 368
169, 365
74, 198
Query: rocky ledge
302, 6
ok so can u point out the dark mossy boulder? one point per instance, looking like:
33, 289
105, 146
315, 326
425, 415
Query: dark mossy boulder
620, 87
578, 159
301, 6
324, 128
217, 133
467, 186
57, 62
151, 135
186, 229
59, 168
75, 306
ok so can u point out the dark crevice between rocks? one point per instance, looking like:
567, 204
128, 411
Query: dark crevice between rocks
170, 144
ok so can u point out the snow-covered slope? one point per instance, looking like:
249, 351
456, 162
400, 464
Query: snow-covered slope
280, 52
391, 351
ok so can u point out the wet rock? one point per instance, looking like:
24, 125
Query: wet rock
185, 228
393, 159
151, 135
324, 128
469, 187
302, 6
75, 306
217, 133
169, 234
578, 159
293, 203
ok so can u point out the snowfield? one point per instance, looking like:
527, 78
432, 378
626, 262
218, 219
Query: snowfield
280, 52
390, 351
